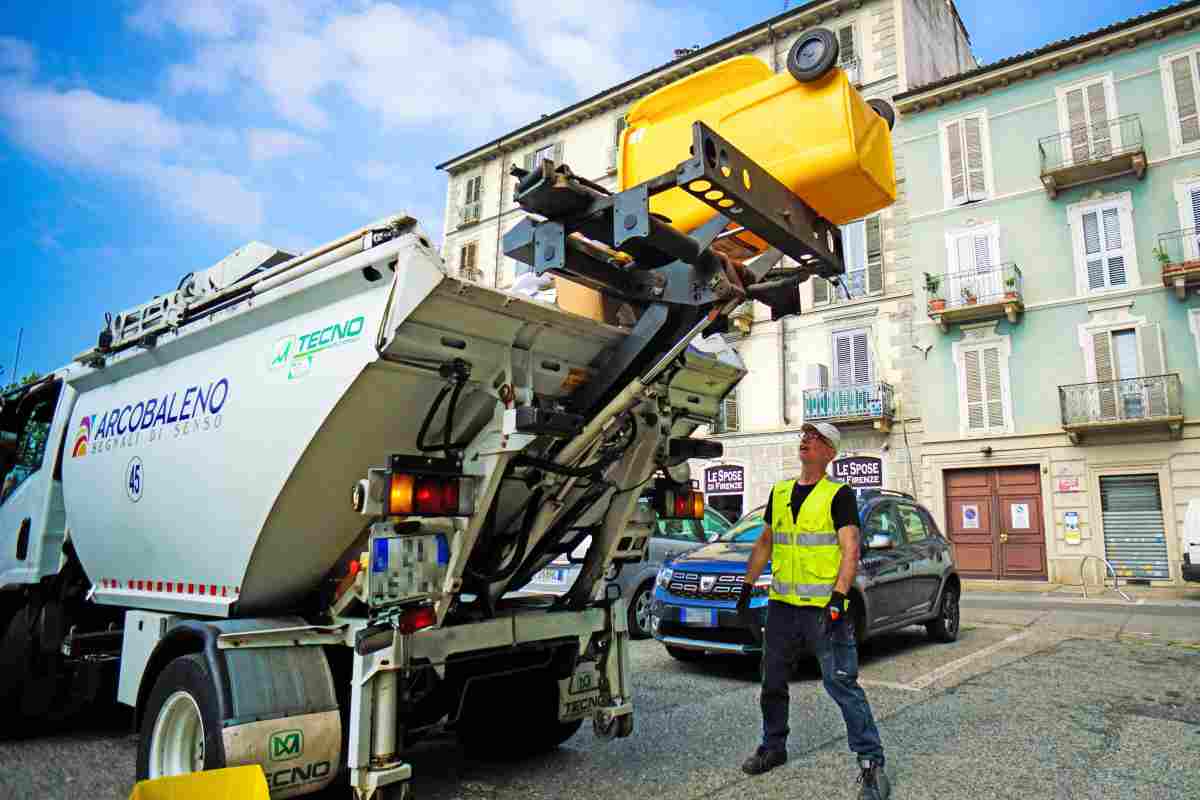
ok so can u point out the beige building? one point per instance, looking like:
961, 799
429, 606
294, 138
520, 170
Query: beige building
846, 359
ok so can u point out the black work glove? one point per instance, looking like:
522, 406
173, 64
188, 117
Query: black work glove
835, 611
745, 614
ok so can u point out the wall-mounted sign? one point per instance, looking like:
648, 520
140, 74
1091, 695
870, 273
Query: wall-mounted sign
970, 517
727, 479
1020, 516
1071, 527
861, 472
1068, 485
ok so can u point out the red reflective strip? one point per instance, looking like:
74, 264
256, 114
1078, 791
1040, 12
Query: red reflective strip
159, 589
202, 588
212, 589
224, 590
191, 588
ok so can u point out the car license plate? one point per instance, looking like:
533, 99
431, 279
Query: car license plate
554, 577
698, 616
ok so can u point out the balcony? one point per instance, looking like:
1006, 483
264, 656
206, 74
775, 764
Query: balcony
1092, 153
1149, 402
469, 214
1178, 253
975, 295
866, 403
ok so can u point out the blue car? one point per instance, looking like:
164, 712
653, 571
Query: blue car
906, 576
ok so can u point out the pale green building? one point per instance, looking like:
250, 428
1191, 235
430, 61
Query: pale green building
1053, 198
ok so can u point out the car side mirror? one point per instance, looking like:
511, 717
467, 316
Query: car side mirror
881, 541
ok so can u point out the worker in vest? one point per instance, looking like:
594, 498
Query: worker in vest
811, 539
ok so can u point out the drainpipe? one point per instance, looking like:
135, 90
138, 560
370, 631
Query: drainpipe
783, 395
499, 214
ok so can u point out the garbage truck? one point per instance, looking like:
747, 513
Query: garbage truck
284, 509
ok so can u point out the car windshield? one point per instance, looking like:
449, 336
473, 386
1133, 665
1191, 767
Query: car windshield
746, 530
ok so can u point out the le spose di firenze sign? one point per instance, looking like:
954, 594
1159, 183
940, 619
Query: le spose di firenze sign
861, 472
728, 479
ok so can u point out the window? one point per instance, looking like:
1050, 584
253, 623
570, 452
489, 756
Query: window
1085, 111
913, 523
681, 530
472, 208
848, 54
727, 421
468, 261
1119, 356
614, 155
26, 446
984, 396
1187, 195
972, 256
550, 152
966, 163
862, 247
1105, 255
1180, 85
883, 520
851, 358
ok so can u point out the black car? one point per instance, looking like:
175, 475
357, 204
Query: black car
906, 576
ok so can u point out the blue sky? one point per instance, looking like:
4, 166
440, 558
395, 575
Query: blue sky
143, 139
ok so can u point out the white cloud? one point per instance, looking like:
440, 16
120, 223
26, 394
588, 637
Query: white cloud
81, 129
16, 56
264, 144
220, 19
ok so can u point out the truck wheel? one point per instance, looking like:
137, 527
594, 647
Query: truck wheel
181, 732
813, 55
639, 611
29, 679
685, 654
525, 707
944, 627
884, 109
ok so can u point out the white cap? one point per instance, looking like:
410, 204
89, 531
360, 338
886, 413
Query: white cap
827, 430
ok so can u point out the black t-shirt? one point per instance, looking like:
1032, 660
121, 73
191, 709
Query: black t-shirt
845, 505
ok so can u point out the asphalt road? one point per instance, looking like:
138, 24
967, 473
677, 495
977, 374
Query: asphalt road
1036, 700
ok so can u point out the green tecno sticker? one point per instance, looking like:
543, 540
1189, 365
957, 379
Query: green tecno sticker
295, 353
286, 745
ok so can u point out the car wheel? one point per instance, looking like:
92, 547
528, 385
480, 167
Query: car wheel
944, 627
639, 612
813, 55
181, 729
684, 654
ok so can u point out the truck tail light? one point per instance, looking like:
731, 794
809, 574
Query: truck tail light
415, 495
416, 619
678, 501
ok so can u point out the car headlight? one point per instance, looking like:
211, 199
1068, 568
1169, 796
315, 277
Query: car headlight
664, 577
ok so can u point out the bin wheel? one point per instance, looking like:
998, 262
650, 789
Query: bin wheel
884, 109
813, 55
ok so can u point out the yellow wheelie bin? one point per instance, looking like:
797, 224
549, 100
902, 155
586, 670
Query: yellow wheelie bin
231, 783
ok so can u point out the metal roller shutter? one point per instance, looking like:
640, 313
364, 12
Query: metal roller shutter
1135, 541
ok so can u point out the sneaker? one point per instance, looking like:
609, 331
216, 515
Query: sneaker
874, 781
763, 760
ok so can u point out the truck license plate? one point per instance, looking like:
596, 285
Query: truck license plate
554, 577
698, 616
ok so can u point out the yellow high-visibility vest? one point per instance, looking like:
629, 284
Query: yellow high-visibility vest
805, 556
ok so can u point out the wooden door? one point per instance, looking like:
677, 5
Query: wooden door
994, 519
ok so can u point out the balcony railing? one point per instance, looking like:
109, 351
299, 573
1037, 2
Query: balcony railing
1178, 253
974, 295
469, 213
870, 402
1132, 402
1092, 152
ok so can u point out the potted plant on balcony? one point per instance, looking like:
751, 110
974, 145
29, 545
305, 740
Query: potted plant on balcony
933, 284
968, 296
1010, 288
1160, 253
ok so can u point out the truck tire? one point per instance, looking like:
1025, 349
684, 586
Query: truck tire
180, 730
639, 611
29, 679
524, 707
813, 55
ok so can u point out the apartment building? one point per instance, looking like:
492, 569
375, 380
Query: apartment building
1053, 235
848, 359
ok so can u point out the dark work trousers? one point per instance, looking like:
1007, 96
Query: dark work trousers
789, 629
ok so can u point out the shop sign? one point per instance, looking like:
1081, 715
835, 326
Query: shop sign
725, 479
861, 472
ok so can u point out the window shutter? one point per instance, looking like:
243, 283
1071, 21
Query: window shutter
974, 390
862, 359
854, 249
958, 170
1101, 136
622, 124
973, 136
529, 161
1194, 196
874, 254
1153, 365
558, 152
1112, 243
843, 357
993, 388
846, 44
1185, 100
1092, 250
820, 291
729, 413
1102, 351
1077, 124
